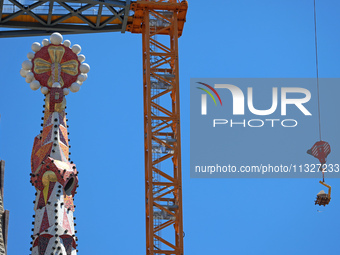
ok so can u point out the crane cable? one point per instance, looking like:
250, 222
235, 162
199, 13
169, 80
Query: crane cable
317, 69
317, 83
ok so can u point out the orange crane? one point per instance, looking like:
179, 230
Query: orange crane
161, 23
163, 187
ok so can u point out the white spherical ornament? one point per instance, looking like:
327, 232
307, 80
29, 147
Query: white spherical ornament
56, 38
76, 48
75, 87
67, 43
45, 42
34, 85
81, 77
81, 58
84, 68
56, 85
30, 55
36, 46
66, 91
44, 90
23, 72
80, 83
29, 77
27, 65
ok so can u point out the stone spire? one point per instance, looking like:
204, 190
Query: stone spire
55, 68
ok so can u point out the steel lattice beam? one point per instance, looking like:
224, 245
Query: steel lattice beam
69, 17
163, 188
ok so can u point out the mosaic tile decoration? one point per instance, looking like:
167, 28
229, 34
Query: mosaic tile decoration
55, 68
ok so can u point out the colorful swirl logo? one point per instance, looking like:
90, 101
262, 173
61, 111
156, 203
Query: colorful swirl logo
204, 97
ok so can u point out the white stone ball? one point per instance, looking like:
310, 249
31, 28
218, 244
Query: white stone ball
27, 65
82, 77
67, 43
23, 72
80, 83
76, 48
56, 38
81, 58
45, 42
56, 85
44, 90
30, 55
36, 46
84, 68
34, 85
29, 77
66, 91
75, 87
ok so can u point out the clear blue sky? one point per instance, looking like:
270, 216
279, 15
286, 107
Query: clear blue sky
244, 38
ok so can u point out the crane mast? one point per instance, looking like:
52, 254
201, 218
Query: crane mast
163, 183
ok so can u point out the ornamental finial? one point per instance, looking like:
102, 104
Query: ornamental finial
55, 66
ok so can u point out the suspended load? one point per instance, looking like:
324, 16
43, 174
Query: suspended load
321, 150
323, 198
